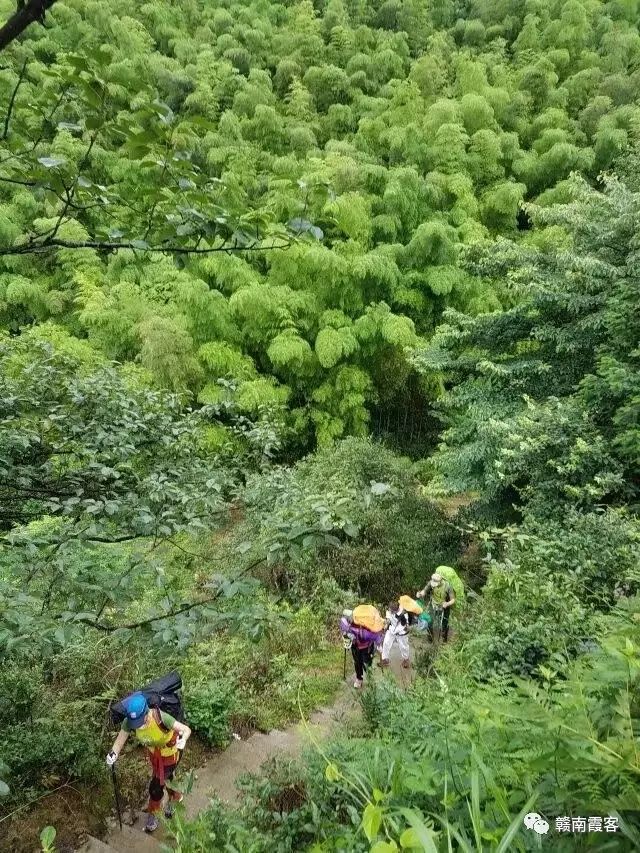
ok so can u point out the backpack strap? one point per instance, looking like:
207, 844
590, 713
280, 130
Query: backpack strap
157, 715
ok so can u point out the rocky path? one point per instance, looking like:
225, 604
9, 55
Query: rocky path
218, 776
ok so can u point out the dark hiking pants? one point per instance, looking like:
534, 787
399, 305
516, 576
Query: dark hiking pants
362, 659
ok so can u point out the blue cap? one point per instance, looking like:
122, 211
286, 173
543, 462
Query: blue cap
136, 708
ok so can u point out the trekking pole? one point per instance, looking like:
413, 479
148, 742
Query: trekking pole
437, 627
346, 643
116, 794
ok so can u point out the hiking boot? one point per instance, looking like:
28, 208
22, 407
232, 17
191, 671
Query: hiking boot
171, 807
384, 662
406, 664
357, 683
152, 823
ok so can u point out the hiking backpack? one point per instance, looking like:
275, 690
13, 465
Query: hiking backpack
162, 694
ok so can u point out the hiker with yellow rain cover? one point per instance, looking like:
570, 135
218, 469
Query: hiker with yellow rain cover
399, 617
362, 630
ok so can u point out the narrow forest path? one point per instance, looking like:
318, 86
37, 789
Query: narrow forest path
218, 776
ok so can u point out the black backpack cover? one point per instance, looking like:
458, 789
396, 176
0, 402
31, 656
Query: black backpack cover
163, 694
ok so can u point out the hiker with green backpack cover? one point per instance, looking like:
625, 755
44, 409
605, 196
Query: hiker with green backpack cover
439, 595
163, 736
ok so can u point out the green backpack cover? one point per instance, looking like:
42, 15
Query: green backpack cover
451, 576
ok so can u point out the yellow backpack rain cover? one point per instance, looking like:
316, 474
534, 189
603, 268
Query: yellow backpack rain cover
368, 616
407, 603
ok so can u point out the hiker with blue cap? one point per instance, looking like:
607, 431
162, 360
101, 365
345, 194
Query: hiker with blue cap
164, 738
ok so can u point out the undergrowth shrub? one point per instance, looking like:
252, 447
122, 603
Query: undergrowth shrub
291, 665
376, 534
99, 666
208, 709
402, 543
313, 582
275, 814
522, 619
357, 462
548, 594
20, 689
599, 552
49, 752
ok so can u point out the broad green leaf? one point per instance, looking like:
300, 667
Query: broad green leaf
371, 820
409, 838
384, 847
331, 772
48, 836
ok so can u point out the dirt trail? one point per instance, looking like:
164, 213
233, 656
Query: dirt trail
218, 776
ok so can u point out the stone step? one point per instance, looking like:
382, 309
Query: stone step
133, 839
94, 845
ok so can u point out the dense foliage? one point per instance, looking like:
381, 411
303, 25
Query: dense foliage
555, 376
395, 132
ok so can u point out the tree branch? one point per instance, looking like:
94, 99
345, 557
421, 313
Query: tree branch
46, 119
132, 626
12, 100
35, 247
26, 14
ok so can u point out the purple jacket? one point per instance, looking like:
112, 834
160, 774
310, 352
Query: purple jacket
362, 637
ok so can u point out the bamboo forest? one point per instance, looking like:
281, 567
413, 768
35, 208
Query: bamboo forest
319, 426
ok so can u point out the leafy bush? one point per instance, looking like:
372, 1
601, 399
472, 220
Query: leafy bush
545, 596
522, 619
403, 541
208, 709
313, 582
359, 504
20, 688
290, 664
275, 815
51, 751
599, 552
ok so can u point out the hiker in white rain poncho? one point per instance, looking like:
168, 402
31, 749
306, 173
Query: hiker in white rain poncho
398, 621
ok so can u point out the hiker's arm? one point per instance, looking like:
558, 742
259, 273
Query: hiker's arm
451, 601
120, 741
116, 749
